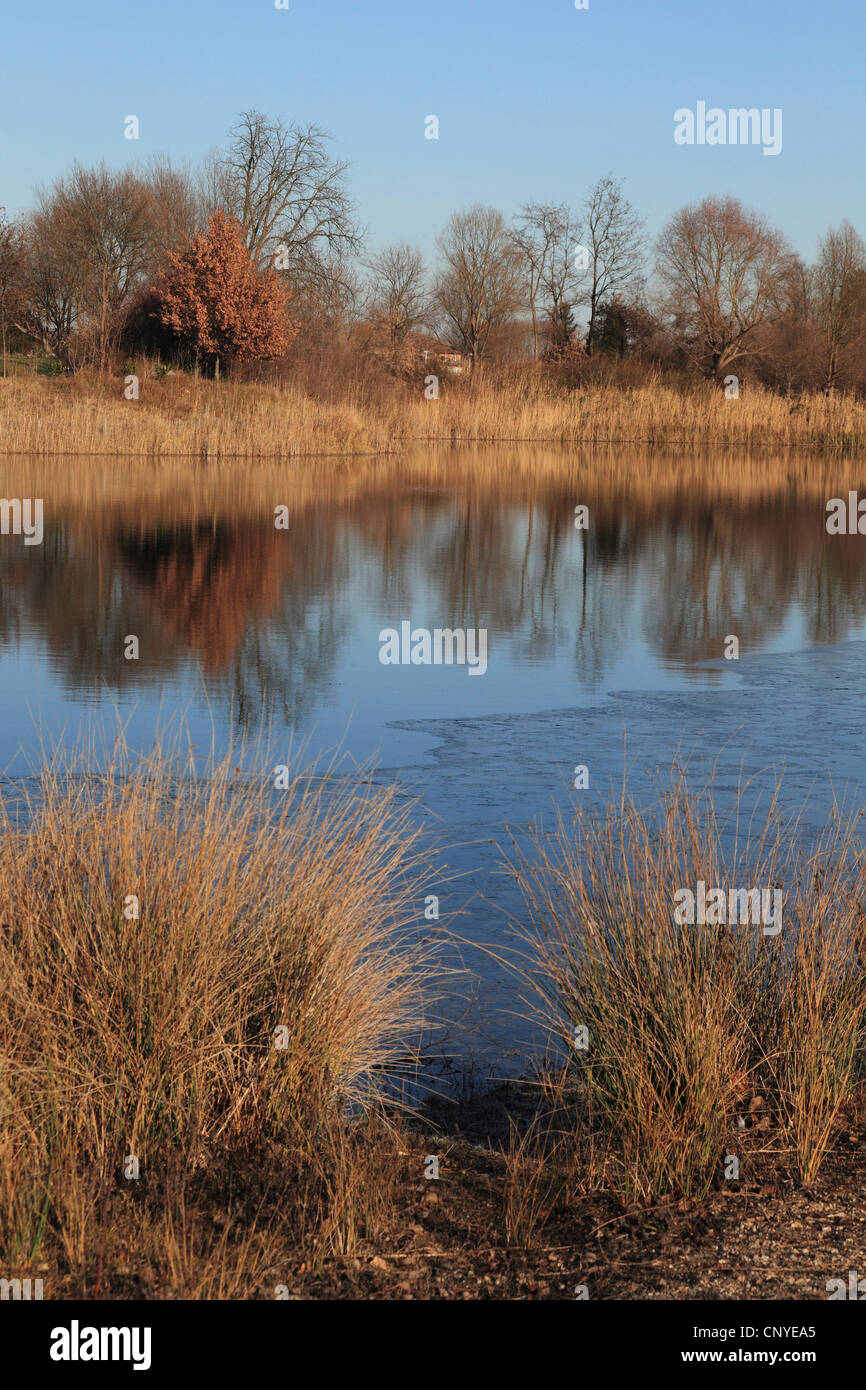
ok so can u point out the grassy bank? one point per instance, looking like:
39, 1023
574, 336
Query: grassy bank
215, 980
180, 416
200, 977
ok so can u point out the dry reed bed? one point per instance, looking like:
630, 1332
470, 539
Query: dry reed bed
271, 981
180, 418
687, 1022
183, 417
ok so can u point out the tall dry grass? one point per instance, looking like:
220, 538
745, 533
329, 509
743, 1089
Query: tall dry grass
271, 984
292, 917
685, 1023
180, 416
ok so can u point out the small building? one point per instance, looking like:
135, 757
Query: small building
451, 361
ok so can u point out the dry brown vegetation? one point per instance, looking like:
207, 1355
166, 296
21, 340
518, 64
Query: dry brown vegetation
181, 416
688, 1023
265, 1168
266, 985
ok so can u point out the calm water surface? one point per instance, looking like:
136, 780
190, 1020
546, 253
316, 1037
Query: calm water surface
593, 637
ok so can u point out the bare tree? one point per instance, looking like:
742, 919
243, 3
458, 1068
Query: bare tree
546, 235
177, 208
284, 188
11, 278
51, 281
478, 288
533, 233
788, 346
399, 299
614, 245
99, 235
326, 293
562, 278
725, 271
840, 294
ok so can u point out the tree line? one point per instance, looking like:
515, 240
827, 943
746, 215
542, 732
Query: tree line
258, 255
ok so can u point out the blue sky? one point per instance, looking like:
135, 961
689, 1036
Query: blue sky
535, 100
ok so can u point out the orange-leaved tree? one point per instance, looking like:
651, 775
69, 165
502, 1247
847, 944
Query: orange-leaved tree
220, 304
